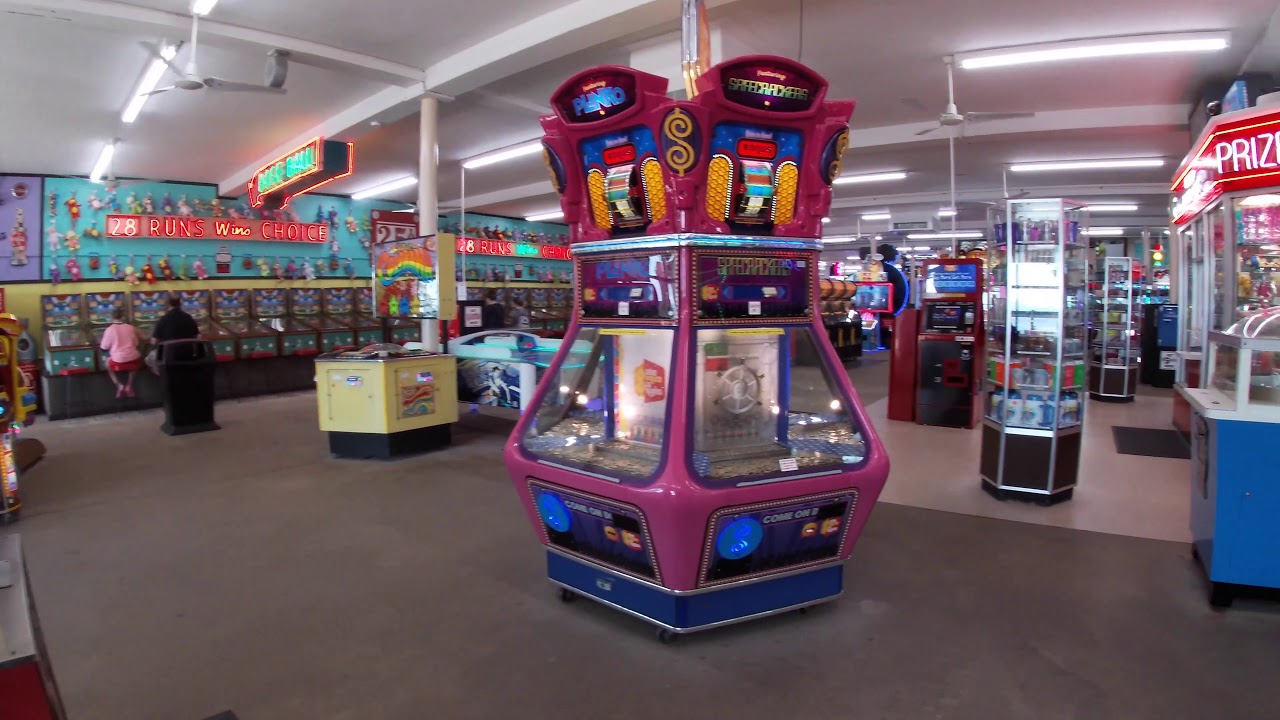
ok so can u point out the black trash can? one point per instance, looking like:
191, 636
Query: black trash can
186, 386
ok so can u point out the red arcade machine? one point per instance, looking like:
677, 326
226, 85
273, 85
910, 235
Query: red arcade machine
936, 371
695, 455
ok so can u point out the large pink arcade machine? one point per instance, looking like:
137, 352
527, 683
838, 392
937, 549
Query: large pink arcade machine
709, 461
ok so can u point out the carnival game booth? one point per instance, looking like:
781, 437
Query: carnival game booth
1226, 213
709, 462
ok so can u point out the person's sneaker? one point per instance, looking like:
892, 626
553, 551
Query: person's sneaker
128, 391
119, 391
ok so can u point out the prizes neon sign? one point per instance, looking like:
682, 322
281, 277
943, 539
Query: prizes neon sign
299, 171
1244, 155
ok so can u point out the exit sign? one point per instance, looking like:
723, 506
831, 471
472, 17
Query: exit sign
301, 170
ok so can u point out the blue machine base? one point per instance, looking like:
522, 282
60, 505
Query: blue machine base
698, 611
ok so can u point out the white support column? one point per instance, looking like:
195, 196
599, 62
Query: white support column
428, 164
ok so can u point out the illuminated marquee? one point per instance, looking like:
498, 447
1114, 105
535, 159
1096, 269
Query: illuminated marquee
595, 100
755, 266
501, 248
188, 228
1236, 154
300, 171
758, 87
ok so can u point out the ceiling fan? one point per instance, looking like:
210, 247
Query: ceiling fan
951, 115
190, 79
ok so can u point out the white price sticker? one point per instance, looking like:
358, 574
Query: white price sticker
1168, 360
753, 307
788, 464
624, 308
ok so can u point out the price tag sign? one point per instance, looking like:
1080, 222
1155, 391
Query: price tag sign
1168, 360
753, 307
788, 464
624, 308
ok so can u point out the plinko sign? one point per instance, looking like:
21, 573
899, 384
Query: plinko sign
190, 228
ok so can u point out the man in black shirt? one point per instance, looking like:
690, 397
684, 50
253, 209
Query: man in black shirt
494, 315
175, 325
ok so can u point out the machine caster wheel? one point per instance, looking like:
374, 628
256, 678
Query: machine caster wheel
1002, 496
567, 595
802, 611
1044, 500
1221, 596
666, 637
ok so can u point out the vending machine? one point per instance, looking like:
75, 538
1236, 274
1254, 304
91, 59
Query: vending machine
949, 335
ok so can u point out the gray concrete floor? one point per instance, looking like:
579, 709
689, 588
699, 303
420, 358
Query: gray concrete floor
245, 570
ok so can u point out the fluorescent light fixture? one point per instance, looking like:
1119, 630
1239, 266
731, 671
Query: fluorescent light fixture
541, 217
878, 237
1260, 201
826, 220
877, 216
946, 212
873, 177
1088, 165
958, 235
386, 187
922, 247
1105, 231
503, 155
150, 78
202, 7
104, 160
838, 240
1095, 48
1121, 207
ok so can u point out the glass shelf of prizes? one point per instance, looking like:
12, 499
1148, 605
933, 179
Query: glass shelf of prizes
1036, 337
1114, 345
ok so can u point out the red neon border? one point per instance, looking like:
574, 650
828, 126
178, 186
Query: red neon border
317, 141
1199, 153
256, 200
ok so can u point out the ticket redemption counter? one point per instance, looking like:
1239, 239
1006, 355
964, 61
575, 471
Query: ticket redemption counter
383, 401
1226, 212
709, 461
1235, 491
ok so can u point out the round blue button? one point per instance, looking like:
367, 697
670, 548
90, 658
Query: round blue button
739, 538
553, 512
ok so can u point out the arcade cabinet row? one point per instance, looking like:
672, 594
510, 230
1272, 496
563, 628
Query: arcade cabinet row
281, 328
548, 308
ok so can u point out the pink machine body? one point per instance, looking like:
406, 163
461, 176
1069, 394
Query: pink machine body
696, 454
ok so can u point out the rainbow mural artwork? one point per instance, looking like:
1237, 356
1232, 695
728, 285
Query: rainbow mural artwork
405, 280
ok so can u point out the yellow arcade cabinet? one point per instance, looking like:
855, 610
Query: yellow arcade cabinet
17, 405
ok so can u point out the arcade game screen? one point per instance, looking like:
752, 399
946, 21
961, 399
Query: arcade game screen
609, 413
877, 298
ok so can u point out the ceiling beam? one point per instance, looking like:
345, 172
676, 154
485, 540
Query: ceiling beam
1050, 121
124, 17
505, 195
995, 193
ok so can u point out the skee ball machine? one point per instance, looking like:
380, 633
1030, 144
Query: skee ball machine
709, 462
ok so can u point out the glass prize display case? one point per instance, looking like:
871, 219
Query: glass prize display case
1036, 337
1114, 326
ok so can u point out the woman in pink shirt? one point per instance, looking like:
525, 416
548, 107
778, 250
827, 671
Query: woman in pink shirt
120, 341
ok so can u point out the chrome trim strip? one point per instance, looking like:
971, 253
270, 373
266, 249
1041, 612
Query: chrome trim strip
579, 471
695, 240
770, 481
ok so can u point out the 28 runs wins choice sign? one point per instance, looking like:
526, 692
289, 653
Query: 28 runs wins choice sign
192, 228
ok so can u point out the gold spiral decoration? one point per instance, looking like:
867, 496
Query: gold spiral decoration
784, 193
678, 128
719, 187
654, 192
599, 206
842, 144
546, 161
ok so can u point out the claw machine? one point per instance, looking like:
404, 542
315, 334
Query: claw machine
1036, 337
1226, 215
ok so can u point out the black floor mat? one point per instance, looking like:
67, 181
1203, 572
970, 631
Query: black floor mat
1150, 442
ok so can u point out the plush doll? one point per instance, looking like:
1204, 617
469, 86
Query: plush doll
277, 269
95, 203
95, 261
247, 262
148, 272
113, 202
135, 207
333, 217
349, 269
131, 275
291, 270
166, 270
55, 274
73, 241
198, 267
319, 215
92, 231
53, 241
148, 205
183, 208
73, 269
263, 268
166, 205
73, 209
308, 272
352, 225
53, 205
215, 208
113, 268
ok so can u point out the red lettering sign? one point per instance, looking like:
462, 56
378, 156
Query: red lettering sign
188, 228
1237, 151
501, 248
620, 154
757, 149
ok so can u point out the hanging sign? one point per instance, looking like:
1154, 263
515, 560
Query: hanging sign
302, 170
502, 248
390, 225
1238, 152
189, 228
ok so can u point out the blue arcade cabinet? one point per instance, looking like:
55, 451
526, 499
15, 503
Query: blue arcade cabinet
1235, 489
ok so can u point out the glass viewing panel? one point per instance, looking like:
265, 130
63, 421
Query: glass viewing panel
765, 403
1257, 234
1214, 234
1191, 289
637, 287
609, 413
1264, 364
